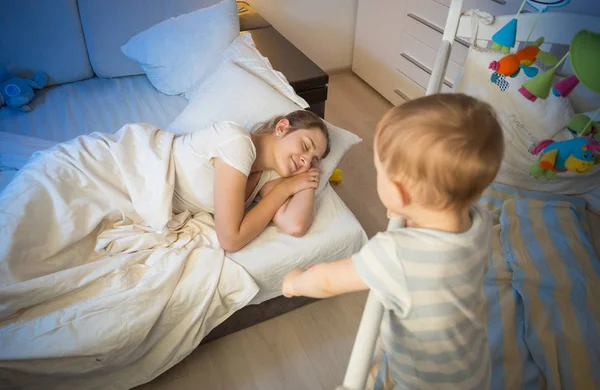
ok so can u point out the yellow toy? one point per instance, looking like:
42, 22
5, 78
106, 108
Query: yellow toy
336, 177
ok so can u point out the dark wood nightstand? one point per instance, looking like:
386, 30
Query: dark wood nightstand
308, 80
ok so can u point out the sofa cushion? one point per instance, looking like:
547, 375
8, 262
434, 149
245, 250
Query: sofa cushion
108, 24
46, 36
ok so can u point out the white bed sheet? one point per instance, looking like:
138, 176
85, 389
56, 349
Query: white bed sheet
64, 112
335, 234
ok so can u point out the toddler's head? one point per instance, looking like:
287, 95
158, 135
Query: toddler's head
438, 152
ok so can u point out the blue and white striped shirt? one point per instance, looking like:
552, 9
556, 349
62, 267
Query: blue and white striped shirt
431, 285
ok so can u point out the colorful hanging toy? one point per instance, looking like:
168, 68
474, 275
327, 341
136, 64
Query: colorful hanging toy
575, 155
581, 124
584, 52
511, 65
543, 5
505, 38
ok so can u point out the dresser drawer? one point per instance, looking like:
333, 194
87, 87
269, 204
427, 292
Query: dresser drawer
425, 56
429, 10
432, 37
418, 73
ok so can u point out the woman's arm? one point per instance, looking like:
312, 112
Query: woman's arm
234, 229
297, 214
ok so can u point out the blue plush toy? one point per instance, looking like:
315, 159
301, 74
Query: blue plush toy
576, 155
16, 92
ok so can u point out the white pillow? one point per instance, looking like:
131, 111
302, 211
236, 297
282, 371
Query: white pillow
243, 52
177, 53
524, 124
233, 94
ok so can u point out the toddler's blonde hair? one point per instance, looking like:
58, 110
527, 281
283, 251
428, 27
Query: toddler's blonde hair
445, 148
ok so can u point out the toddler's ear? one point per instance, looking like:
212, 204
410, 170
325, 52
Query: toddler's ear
402, 195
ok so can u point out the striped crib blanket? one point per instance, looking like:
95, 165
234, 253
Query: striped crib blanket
543, 292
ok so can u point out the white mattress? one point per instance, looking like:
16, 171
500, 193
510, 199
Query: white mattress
66, 111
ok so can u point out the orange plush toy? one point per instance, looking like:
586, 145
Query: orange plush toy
512, 64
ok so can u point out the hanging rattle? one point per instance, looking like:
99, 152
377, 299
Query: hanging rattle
583, 125
512, 64
584, 51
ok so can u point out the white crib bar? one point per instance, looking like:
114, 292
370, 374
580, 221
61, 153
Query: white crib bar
364, 346
368, 330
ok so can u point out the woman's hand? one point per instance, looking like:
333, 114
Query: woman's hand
302, 181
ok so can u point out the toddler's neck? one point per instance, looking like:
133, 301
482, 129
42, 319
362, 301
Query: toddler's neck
452, 221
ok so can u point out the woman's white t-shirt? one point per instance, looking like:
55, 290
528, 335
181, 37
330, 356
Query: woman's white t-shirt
194, 166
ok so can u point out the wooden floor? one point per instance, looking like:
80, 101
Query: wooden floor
309, 347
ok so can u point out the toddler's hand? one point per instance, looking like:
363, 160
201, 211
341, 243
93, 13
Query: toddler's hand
391, 215
288, 282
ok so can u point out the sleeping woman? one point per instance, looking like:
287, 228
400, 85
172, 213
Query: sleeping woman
112, 246
277, 161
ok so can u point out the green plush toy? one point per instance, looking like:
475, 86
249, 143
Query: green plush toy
583, 125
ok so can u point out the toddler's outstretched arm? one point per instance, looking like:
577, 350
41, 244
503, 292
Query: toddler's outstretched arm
323, 280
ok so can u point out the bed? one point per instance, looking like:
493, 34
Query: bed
65, 111
543, 280
240, 84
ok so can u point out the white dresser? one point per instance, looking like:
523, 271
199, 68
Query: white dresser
396, 43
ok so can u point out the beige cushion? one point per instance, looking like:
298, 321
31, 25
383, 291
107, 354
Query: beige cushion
44, 35
109, 24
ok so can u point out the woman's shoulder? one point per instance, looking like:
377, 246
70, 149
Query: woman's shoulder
229, 128
217, 135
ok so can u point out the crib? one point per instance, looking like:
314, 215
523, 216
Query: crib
558, 29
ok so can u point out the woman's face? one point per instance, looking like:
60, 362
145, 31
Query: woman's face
297, 151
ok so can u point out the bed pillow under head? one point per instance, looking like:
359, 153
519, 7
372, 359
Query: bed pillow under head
234, 94
524, 124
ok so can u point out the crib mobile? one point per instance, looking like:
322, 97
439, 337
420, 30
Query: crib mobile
582, 152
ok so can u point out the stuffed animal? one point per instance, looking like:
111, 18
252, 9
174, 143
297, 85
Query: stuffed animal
512, 64
336, 177
16, 92
575, 155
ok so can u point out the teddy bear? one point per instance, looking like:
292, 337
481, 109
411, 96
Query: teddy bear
17, 92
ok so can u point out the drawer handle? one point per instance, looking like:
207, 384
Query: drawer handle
401, 94
422, 67
436, 28
503, 2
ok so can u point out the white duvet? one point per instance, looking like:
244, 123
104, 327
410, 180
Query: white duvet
100, 288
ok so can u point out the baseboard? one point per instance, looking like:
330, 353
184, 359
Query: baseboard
341, 69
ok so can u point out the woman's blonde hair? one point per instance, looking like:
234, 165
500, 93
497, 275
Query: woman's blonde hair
300, 119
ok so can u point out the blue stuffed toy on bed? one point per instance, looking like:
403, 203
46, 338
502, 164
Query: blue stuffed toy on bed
16, 92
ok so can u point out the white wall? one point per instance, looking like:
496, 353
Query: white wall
321, 29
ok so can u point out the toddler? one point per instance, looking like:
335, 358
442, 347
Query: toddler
434, 157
